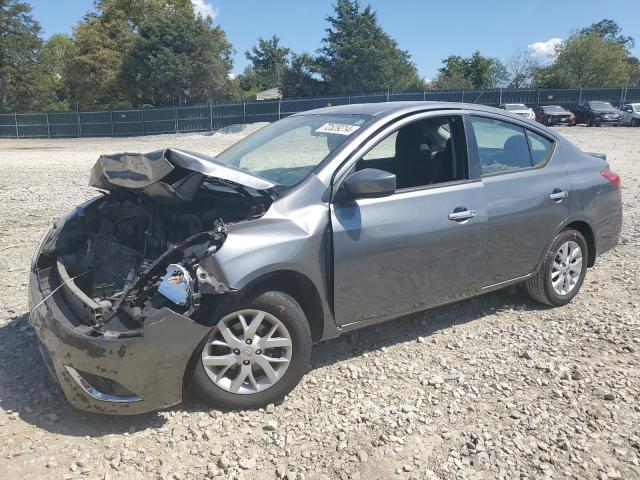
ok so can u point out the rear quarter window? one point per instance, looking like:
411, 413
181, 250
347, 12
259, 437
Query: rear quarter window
541, 148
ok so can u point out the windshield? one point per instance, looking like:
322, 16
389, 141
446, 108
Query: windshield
601, 106
553, 109
516, 106
286, 151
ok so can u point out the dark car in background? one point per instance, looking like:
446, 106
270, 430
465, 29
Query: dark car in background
596, 113
219, 273
554, 115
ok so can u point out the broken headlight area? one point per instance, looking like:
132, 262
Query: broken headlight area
141, 247
133, 264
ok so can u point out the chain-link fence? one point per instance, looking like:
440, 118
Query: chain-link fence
212, 116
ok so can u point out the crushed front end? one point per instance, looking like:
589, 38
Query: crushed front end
118, 289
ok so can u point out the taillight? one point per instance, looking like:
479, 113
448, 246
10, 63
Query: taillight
613, 177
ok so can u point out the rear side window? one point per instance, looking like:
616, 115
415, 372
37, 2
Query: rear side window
505, 147
540, 146
502, 146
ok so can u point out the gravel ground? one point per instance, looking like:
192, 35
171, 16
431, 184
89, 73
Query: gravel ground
494, 387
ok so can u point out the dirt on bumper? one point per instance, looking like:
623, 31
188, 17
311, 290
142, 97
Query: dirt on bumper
151, 365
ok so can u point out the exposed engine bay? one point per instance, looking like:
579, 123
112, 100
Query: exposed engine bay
139, 249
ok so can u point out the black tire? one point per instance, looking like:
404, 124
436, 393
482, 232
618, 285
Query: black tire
590, 122
285, 309
635, 122
539, 286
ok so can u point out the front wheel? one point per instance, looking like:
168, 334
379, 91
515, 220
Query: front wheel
256, 354
562, 272
635, 122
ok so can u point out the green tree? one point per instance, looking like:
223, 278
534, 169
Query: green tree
453, 74
634, 71
476, 71
610, 31
92, 73
359, 56
302, 78
54, 58
147, 52
544, 77
521, 67
590, 60
23, 81
269, 62
179, 57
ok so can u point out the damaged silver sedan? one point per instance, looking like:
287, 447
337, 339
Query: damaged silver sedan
220, 273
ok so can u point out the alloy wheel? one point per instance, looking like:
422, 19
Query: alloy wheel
247, 352
566, 268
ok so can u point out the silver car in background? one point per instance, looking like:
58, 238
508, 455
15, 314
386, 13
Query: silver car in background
220, 273
520, 109
630, 114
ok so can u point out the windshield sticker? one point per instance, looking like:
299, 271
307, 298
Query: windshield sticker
338, 128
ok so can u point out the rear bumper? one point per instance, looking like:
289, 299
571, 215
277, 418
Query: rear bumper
100, 371
609, 224
552, 120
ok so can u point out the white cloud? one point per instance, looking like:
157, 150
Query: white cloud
545, 51
203, 8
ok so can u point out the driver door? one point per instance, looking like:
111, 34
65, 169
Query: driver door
417, 247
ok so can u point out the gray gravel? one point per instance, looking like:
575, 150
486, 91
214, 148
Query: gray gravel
494, 387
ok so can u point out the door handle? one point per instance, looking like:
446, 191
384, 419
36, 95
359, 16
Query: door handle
558, 195
462, 215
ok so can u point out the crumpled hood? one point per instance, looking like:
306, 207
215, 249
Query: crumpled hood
170, 176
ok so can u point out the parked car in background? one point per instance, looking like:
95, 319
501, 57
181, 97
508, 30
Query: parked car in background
220, 273
630, 115
596, 113
520, 109
554, 115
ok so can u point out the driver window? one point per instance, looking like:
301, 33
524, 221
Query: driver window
422, 153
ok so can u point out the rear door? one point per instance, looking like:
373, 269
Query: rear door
423, 245
527, 191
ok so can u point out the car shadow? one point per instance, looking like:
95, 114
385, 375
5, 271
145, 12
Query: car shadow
422, 324
28, 391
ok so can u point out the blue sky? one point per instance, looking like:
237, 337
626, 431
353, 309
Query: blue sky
429, 32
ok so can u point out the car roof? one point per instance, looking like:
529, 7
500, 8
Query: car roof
396, 108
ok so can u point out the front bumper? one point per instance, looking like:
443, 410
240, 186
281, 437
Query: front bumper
146, 371
606, 121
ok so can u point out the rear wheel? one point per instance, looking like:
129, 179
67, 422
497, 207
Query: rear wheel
562, 272
256, 354
635, 122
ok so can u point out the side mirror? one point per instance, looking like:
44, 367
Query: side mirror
367, 183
